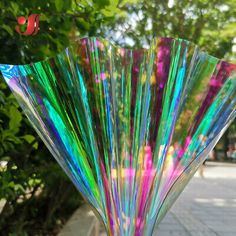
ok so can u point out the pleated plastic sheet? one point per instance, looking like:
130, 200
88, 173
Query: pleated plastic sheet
129, 127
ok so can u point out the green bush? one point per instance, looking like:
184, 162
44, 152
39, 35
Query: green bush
39, 197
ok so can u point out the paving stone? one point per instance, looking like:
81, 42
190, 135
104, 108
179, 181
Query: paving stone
207, 206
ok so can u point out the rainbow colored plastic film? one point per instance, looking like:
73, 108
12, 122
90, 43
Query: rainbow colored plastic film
129, 127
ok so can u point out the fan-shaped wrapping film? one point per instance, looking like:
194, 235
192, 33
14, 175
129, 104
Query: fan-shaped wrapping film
129, 127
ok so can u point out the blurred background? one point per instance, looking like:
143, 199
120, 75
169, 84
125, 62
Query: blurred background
36, 196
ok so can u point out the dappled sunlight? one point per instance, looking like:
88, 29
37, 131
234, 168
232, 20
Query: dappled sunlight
214, 171
218, 202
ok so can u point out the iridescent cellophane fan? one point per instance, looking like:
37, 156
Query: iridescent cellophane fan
129, 127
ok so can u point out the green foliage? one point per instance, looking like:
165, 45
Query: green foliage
32, 184
210, 24
39, 197
59, 19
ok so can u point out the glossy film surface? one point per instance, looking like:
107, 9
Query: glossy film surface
129, 127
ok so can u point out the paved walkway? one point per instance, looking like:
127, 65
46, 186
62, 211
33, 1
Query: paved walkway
207, 207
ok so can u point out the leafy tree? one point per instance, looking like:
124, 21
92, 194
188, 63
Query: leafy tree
32, 183
209, 24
